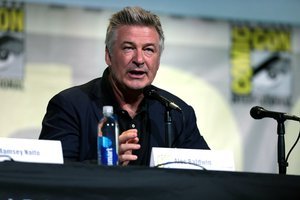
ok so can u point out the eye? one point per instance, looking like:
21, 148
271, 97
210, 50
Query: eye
149, 51
127, 48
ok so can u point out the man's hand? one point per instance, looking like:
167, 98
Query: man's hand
128, 141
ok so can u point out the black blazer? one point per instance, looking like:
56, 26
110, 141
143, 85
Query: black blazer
73, 114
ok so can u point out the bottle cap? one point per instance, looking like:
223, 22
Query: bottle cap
107, 110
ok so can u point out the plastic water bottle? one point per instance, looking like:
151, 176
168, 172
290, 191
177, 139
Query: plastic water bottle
108, 135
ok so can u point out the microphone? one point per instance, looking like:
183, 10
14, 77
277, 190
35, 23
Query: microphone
150, 91
258, 112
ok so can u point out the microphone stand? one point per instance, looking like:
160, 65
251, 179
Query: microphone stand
168, 127
282, 164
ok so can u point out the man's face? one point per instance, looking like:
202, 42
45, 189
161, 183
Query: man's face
135, 57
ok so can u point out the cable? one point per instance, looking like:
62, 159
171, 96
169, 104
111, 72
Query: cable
287, 157
182, 128
5, 158
179, 162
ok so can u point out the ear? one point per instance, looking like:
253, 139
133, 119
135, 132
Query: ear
107, 57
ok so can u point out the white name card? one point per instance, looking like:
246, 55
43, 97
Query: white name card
31, 150
192, 159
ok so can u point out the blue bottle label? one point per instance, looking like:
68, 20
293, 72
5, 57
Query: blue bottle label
106, 152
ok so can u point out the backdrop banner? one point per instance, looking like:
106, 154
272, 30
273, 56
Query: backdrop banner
11, 45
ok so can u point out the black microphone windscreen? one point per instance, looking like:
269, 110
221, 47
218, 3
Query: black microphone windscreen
151, 92
255, 112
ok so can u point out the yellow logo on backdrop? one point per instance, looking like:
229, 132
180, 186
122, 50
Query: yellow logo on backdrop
241, 70
245, 39
11, 19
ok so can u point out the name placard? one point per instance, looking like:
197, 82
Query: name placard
31, 150
192, 159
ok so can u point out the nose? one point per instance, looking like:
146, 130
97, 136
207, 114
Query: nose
138, 58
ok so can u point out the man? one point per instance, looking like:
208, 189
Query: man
134, 44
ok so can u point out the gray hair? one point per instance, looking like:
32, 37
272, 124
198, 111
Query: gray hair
133, 16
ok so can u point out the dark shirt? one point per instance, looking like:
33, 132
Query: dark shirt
73, 114
139, 122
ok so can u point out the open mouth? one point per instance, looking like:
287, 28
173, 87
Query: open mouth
136, 73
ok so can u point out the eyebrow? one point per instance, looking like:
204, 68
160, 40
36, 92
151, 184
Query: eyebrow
132, 43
